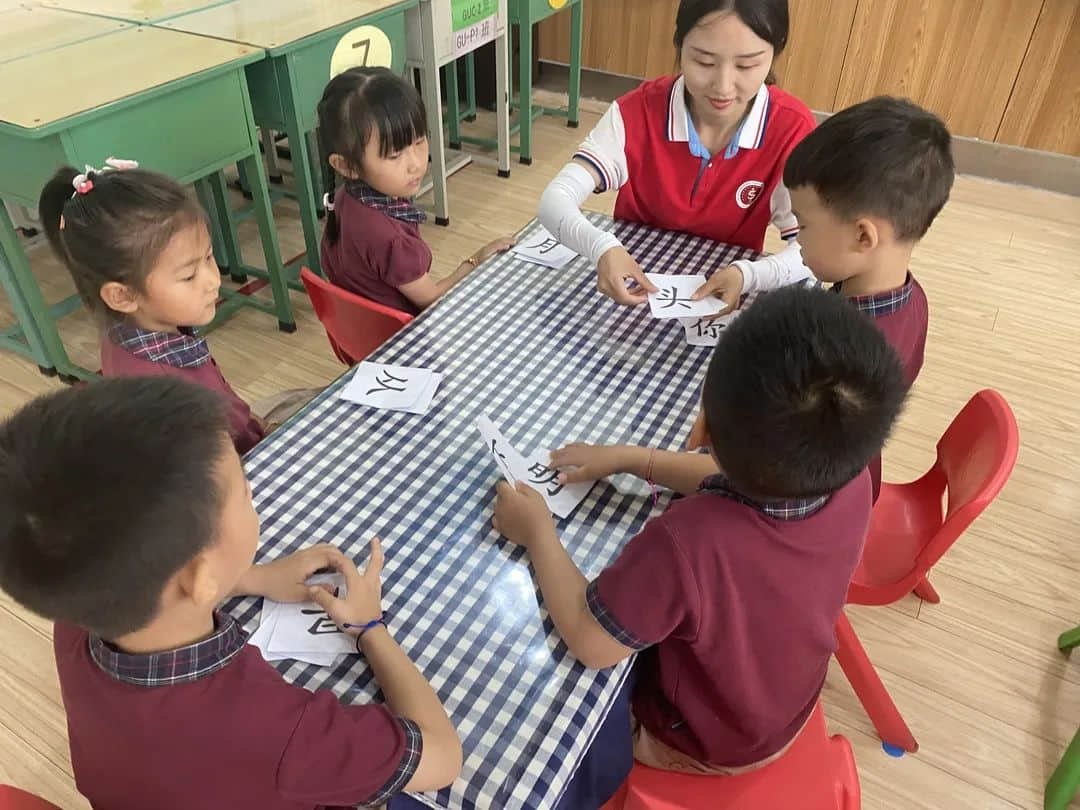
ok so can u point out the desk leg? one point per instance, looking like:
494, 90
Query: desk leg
34, 317
270, 155
432, 93
502, 105
35, 346
525, 120
301, 159
264, 215
218, 197
453, 105
222, 253
470, 89
577, 14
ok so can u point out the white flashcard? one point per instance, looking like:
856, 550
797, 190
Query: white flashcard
422, 404
305, 627
261, 639
509, 461
395, 388
561, 499
673, 299
544, 249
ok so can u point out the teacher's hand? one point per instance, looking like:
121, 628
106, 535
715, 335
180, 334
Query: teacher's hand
727, 285
614, 269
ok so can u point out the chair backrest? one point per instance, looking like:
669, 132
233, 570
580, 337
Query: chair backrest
354, 325
13, 798
816, 773
975, 457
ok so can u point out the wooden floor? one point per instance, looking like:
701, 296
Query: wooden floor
978, 677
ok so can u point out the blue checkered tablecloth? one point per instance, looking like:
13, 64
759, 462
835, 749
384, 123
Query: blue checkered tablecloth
550, 360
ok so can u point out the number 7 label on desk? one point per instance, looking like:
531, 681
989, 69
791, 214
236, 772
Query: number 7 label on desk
561, 499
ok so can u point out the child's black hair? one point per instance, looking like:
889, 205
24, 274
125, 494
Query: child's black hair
117, 230
886, 157
105, 493
800, 395
768, 19
357, 104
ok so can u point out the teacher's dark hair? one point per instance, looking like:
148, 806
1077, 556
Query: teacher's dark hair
768, 19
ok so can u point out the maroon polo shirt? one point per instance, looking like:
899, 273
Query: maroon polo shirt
737, 604
375, 254
212, 725
127, 351
902, 315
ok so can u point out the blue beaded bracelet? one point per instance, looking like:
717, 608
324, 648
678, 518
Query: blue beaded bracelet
363, 628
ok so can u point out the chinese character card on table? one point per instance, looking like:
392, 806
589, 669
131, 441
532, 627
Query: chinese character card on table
562, 499
673, 299
303, 631
544, 249
395, 388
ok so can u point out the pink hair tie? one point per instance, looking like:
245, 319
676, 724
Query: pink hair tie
120, 164
84, 185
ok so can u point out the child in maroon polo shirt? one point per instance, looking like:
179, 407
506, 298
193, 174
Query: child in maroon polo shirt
137, 246
733, 593
373, 133
865, 187
167, 707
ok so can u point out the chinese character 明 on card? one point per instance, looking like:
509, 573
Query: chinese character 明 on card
562, 499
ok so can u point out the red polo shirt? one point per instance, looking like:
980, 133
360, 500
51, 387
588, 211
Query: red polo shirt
903, 316
374, 254
212, 725
642, 147
737, 604
127, 351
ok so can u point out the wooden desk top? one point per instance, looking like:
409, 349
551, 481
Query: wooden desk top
133, 10
276, 23
47, 87
31, 29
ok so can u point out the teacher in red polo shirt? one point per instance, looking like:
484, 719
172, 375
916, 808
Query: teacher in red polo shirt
701, 152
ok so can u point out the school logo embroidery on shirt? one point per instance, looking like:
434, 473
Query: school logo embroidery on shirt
748, 192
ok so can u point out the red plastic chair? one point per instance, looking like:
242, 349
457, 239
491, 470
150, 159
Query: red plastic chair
816, 773
911, 528
12, 798
354, 325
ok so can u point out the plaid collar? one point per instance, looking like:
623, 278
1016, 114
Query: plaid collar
396, 207
883, 303
788, 509
174, 667
184, 350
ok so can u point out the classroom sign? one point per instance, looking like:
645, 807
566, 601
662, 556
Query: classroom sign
474, 23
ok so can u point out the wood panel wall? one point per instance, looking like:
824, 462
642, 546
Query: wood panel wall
1004, 70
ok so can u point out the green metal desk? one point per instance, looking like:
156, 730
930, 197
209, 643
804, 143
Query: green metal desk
306, 43
177, 103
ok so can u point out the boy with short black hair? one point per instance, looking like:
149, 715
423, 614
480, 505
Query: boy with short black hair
733, 593
127, 519
865, 187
